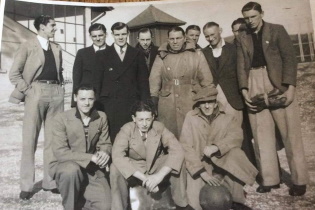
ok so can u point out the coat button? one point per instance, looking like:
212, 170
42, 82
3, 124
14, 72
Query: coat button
177, 108
176, 95
168, 68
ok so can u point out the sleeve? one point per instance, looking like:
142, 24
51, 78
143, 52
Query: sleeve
76, 74
120, 151
61, 148
289, 64
175, 151
104, 143
143, 77
232, 139
193, 161
17, 69
155, 79
241, 71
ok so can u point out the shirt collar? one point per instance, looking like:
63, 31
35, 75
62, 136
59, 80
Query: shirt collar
222, 44
94, 114
117, 48
44, 43
97, 48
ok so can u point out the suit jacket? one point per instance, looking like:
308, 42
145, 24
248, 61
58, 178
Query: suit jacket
130, 153
279, 54
226, 73
153, 53
28, 65
69, 143
84, 70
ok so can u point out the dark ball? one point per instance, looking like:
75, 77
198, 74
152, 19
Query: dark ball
215, 197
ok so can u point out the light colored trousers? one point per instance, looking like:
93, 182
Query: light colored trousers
42, 103
263, 127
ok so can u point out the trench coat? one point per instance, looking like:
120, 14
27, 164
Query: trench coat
224, 132
172, 79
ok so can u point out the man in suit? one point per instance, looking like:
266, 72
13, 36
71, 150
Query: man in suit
84, 71
192, 34
146, 153
123, 80
266, 62
82, 148
37, 75
146, 45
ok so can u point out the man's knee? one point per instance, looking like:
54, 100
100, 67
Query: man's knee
67, 170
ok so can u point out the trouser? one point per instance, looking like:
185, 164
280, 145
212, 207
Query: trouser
42, 103
120, 188
80, 188
263, 127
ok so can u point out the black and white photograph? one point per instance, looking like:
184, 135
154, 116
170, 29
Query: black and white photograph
157, 105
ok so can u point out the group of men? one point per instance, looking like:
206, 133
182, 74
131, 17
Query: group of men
153, 116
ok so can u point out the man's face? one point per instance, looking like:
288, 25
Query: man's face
120, 36
213, 35
235, 29
145, 40
143, 120
49, 29
176, 40
193, 35
98, 37
85, 101
207, 107
253, 18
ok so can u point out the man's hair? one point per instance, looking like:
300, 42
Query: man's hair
252, 5
96, 27
143, 106
42, 19
145, 30
84, 87
238, 21
210, 24
119, 26
192, 27
175, 29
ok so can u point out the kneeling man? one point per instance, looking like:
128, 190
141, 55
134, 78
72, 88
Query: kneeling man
145, 152
212, 140
82, 148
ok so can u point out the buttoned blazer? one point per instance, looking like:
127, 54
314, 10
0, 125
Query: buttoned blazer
130, 153
153, 53
226, 73
28, 65
279, 55
69, 143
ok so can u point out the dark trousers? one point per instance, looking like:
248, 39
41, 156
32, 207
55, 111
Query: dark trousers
80, 188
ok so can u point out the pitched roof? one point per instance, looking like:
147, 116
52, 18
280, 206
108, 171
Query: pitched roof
153, 16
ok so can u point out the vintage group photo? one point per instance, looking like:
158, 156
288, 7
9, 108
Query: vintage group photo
157, 105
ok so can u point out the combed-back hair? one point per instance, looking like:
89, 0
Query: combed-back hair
42, 19
175, 29
96, 27
119, 26
143, 106
210, 24
145, 30
252, 5
192, 27
84, 87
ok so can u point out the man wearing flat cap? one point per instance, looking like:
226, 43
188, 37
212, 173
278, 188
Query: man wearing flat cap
212, 152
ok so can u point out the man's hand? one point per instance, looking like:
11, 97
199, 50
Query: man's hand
152, 181
100, 158
209, 150
289, 94
248, 102
209, 179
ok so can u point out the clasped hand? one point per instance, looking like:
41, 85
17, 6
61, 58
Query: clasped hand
100, 158
209, 150
151, 182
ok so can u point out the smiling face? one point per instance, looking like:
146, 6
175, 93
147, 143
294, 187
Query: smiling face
176, 40
143, 120
213, 35
207, 107
193, 35
48, 31
120, 36
253, 19
98, 37
85, 101
145, 39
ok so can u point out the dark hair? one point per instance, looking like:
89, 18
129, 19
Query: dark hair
145, 30
238, 21
192, 27
252, 5
143, 106
84, 87
210, 24
96, 27
42, 19
119, 26
175, 29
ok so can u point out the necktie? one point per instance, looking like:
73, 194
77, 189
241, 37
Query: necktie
121, 50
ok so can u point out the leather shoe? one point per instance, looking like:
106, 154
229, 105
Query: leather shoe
297, 190
265, 189
54, 191
240, 206
25, 195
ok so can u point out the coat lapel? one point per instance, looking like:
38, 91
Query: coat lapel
266, 37
137, 143
248, 41
211, 61
93, 131
40, 52
223, 59
56, 51
153, 143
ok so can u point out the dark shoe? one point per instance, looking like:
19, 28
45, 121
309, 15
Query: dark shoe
240, 206
265, 189
54, 191
297, 190
188, 207
25, 195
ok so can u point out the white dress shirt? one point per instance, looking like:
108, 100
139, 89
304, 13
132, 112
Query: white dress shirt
43, 42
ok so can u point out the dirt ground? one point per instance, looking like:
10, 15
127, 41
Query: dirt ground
10, 152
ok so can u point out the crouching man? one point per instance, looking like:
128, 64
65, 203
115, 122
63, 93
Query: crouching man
211, 140
146, 153
82, 148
